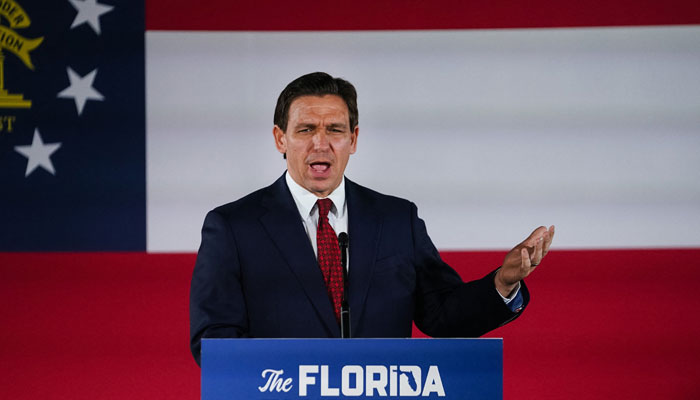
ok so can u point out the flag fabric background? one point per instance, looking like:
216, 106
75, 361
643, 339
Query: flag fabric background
89, 194
493, 117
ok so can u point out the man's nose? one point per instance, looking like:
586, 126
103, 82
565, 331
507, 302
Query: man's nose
321, 140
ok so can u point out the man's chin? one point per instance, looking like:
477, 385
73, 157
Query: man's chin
322, 187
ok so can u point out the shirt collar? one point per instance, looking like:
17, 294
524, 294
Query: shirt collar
305, 200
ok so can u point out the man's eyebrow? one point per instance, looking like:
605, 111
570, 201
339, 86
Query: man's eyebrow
337, 125
305, 125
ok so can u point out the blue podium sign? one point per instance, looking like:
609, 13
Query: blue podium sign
267, 369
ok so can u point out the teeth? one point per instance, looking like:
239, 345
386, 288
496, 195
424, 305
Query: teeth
319, 167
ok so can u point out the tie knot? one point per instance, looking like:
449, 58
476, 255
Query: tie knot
324, 206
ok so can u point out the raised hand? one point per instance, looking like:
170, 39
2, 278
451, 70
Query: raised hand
523, 259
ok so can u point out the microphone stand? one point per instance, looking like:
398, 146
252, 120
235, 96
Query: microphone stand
343, 242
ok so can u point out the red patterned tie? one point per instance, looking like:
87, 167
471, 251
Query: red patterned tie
329, 256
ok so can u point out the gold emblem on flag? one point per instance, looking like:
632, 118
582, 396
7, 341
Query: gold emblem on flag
16, 44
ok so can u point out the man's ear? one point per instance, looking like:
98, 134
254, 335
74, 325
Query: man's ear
355, 132
280, 139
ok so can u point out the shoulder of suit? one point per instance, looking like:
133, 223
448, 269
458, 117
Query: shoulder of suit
381, 199
250, 205
245, 206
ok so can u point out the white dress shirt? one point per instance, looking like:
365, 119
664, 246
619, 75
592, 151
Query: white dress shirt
306, 204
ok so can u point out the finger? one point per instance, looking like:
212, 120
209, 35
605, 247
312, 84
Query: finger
525, 263
532, 239
548, 240
531, 250
537, 255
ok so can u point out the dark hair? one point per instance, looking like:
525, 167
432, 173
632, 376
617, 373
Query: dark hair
316, 84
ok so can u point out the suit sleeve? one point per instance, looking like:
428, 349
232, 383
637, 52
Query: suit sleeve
445, 305
217, 304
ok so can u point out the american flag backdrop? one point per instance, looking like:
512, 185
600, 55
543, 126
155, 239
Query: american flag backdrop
123, 123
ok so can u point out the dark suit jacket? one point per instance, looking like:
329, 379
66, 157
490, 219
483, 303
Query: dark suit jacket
256, 275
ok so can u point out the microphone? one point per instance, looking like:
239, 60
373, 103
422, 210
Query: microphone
343, 242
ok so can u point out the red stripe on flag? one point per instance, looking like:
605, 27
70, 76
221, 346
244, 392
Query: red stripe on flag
413, 14
607, 324
601, 324
96, 326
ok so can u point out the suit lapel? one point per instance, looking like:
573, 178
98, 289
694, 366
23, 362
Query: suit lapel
364, 228
283, 223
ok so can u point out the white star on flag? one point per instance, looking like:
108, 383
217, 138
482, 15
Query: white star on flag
89, 11
38, 154
81, 89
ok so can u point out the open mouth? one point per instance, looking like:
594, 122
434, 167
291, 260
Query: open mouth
320, 168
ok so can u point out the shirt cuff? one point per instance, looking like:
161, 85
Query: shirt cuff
515, 300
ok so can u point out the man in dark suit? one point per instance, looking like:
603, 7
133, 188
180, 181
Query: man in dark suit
266, 268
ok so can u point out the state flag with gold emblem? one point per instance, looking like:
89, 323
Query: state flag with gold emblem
72, 126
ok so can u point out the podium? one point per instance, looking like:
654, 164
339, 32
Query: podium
267, 369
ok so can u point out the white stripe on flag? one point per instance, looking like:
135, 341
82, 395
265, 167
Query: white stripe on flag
491, 133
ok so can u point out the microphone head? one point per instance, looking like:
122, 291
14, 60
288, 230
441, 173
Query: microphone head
343, 239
